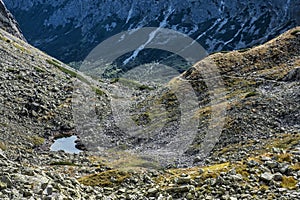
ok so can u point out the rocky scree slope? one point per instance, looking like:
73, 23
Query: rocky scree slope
68, 30
261, 100
251, 161
35, 99
257, 154
34, 94
262, 86
8, 23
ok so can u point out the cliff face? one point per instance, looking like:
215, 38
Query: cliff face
69, 29
8, 23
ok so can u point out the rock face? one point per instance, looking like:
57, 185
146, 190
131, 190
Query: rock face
8, 23
69, 29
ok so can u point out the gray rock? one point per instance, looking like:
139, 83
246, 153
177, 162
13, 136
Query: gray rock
252, 163
49, 190
265, 158
181, 189
293, 75
282, 189
271, 164
266, 176
277, 176
123, 190
276, 150
201, 171
152, 191
183, 180
6, 179
284, 169
237, 177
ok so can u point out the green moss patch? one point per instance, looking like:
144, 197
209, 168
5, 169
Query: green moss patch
37, 140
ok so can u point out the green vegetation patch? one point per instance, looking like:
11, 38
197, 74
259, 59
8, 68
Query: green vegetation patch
144, 87
131, 83
68, 163
105, 179
4, 124
37, 140
285, 141
4, 38
67, 71
251, 94
295, 32
12, 70
53, 62
3, 146
243, 50
21, 48
98, 91
285, 157
39, 69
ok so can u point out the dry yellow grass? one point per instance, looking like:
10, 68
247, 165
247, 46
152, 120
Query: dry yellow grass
288, 182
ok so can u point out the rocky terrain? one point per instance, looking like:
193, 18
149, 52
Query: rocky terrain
8, 23
256, 157
69, 30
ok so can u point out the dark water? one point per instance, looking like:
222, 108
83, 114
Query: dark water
66, 144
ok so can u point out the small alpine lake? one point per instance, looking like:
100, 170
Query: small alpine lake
66, 144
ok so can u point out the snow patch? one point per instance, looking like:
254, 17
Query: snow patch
152, 35
239, 31
129, 14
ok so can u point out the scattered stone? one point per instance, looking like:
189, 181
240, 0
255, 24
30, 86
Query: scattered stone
3, 185
271, 164
266, 176
277, 176
152, 191
293, 75
183, 180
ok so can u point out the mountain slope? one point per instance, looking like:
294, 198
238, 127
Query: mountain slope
32, 92
262, 89
257, 156
8, 23
69, 30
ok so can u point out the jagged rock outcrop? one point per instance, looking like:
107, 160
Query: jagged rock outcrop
8, 23
70, 29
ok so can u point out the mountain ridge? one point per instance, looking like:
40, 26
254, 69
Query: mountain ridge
78, 26
8, 22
